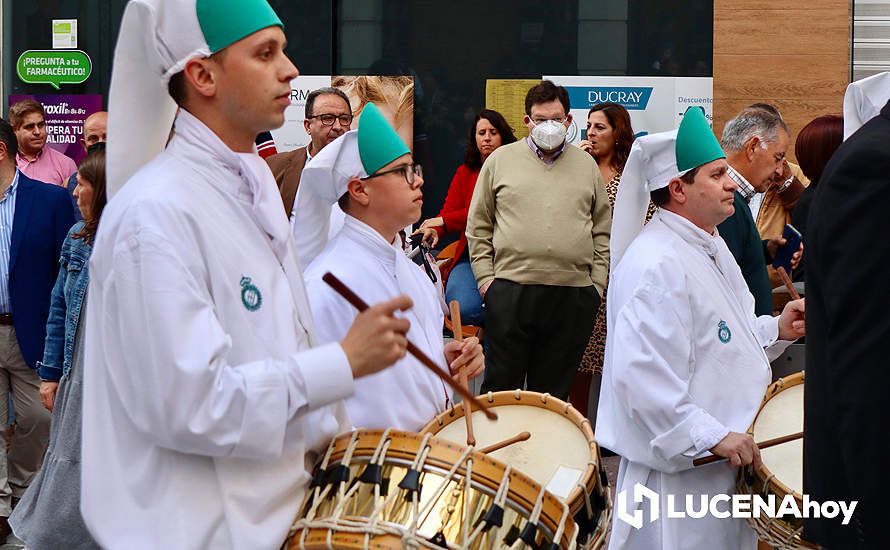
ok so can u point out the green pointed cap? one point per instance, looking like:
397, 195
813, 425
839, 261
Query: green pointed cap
225, 22
378, 142
696, 144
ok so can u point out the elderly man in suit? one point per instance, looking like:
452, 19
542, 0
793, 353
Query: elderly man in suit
34, 219
328, 116
846, 357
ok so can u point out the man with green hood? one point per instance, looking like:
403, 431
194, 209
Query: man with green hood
204, 406
687, 361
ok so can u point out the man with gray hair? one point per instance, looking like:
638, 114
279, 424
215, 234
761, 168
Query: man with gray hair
328, 116
755, 142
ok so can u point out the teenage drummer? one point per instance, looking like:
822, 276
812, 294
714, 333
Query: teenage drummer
371, 173
203, 402
687, 361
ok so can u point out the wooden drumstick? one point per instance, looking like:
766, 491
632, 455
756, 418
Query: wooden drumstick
762, 445
361, 305
521, 436
788, 284
462, 375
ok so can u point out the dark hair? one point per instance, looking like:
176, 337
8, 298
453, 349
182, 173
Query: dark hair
815, 144
176, 87
92, 169
7, 137
327, 90
660, 197
619, 119
472, 156
23, 108
544, 92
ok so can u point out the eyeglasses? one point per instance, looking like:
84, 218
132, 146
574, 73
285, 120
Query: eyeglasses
328, 119
543, 120
410, 171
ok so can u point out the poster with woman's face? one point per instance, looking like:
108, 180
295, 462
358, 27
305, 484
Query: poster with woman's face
393, 95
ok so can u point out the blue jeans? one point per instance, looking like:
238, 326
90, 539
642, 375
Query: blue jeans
462, 287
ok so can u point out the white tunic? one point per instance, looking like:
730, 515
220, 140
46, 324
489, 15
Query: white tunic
204, 407
407, 395
685, 364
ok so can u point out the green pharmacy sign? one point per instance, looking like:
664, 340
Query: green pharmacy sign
54, 67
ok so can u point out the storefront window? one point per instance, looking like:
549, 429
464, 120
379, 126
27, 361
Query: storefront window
452, 48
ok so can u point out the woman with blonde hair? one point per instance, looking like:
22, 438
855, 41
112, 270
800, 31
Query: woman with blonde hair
393, 95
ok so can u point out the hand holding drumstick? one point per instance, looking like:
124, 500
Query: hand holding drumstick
741, 450
398, 303
464, 359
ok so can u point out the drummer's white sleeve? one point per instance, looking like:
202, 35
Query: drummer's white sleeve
173, 379
652, 364
767, 333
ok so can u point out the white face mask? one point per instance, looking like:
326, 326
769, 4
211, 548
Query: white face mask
549, 135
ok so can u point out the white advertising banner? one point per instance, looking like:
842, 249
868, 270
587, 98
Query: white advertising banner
655, 103
292, 135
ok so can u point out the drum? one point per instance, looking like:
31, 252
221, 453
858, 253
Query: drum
392, 490
781, 473
561, 453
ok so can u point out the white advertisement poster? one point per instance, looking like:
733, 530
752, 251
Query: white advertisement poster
292, 134
64, 34
655, 104
393, 95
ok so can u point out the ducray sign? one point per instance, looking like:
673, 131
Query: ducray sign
633, 99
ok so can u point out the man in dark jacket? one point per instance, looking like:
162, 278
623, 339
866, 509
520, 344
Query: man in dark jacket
846, 442
328, 116
34, 219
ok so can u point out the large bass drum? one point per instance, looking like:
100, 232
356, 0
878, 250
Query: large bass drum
392, 490
561, 453
781, 472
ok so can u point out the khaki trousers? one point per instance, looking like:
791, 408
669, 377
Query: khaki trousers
22, 460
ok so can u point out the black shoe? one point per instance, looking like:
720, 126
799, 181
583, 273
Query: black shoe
5, 529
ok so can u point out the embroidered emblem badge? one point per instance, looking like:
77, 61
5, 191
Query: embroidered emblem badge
723, 332
251, 296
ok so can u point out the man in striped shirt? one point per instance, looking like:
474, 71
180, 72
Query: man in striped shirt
34, 219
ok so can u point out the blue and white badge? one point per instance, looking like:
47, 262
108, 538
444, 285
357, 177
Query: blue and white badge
251, 296
723, 332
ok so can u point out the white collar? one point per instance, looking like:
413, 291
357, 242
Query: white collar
373, 241
253, 181
690, 232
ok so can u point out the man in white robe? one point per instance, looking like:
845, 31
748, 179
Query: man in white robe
204, 406
367, 255
687, 361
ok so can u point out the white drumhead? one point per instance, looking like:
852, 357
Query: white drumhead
783, 415
555, 456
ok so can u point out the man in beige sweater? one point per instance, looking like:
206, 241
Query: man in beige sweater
538, 232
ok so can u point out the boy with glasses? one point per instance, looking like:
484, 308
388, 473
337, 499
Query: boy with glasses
371, 174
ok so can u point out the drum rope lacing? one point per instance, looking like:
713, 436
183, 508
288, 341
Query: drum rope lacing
409, 536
